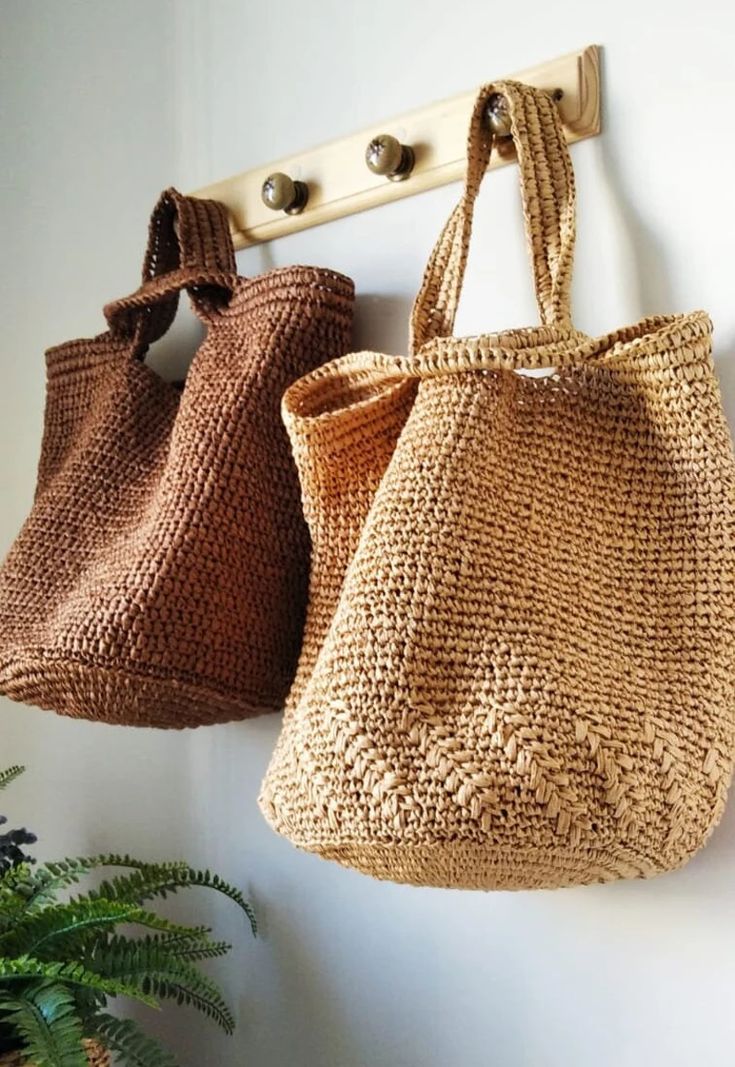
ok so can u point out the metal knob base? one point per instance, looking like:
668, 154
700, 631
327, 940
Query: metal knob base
280, 192
498, 115
386, 156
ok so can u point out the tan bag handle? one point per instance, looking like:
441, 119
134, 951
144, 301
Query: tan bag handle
547, 190
189, 247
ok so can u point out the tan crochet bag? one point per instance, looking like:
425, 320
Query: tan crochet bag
518, 665
161, 577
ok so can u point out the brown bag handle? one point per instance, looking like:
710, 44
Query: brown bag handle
547, 190
189, 247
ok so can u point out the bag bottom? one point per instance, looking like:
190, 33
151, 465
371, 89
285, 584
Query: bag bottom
124, 698
471, 866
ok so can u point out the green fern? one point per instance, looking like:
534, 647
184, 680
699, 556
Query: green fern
125, 1038
157, 972
193, 945
66, 928
148, 883
12, 841
63, 957
42, 883
70, 974
45, 1016
12, 900
9, 775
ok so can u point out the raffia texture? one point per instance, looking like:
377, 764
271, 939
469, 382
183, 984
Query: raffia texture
96, 1055
161, 577
518, 662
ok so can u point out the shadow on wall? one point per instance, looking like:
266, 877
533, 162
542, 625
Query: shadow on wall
171, 356
707, 880
650, 292
317, 1025
712, 873
380, 319
725, 364
648, 287
618, 256
640, 262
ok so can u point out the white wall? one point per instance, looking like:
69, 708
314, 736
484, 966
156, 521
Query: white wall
105, 103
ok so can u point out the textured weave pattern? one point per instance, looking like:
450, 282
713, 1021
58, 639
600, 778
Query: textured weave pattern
161, 576
96, 1055
518, 664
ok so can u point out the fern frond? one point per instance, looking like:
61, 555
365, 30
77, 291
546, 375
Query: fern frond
192, 988
20, 879
155, 972
50, 878
26, 967
89, 1001
60, 922
10, 774
149, 883
172, 946
44, 1017
12, 902
61, 927
38, 932
132, 1046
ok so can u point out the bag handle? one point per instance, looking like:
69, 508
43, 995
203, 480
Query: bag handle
189, 247
547, 191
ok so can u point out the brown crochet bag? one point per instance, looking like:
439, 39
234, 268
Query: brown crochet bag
518, 665
161, 577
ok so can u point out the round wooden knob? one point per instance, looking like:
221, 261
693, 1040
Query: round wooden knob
385, 155
281, 193
498, 115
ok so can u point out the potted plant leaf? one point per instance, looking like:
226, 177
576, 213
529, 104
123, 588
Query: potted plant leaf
65, 955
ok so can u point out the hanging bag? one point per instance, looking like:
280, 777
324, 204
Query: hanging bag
160, 579
518, 664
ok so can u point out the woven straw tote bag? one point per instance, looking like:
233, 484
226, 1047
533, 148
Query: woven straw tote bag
96, 1055
518, 664
161, 577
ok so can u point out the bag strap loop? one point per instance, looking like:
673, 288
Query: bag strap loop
547, 190
189, 247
